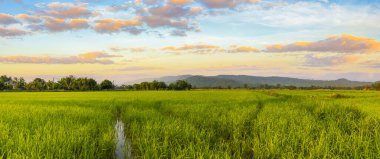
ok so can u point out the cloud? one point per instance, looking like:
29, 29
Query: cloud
169, 17
85, 58
115, 25
312, 15
68, 10
243, 49
12, 32
194, 48
29, 18
171, 11
180, 2
95, 55
340, 44
225, 3
321, 61
78, 24
150, 2
7, 19
207, 48
118, 8
372, 63
191, 47
134, 50
60, 25
158, 21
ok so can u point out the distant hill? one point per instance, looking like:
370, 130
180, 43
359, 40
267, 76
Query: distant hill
241, 80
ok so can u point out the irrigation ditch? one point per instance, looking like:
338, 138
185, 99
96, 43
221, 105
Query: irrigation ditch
123, 147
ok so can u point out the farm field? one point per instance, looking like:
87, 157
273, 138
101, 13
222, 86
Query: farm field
191, 124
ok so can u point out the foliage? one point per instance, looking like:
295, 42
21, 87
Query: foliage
376, 86
5, 83
19, 83
85, 84
67, 83
154, 85
37, 84
180, 85
106, 85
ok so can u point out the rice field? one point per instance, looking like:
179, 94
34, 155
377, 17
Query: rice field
191, 124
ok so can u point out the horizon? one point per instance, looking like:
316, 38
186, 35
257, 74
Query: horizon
131, 40
137, 81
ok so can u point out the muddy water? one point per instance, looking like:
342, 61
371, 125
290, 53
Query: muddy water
123, 145
120, 140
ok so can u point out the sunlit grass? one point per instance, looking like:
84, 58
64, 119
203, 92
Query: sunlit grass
192, 124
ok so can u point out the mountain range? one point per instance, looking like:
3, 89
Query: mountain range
252, 81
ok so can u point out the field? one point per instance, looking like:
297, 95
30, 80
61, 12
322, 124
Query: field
191, 124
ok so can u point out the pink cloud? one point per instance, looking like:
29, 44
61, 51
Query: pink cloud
116, 25
342, 44
29, 18
315, 61
60, 25
85, 58
68, 10
12, 32
180, 2
7, 19
225, 3
242, 49
208, 48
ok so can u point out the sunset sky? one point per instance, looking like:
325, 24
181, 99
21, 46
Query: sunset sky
126, 40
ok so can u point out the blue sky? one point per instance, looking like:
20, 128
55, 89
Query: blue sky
129, 40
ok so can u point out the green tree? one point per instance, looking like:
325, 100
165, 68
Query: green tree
376, 86
37, 84
144, 85
85, 84
136, 87
106, 85
92, 84
2, 85
126, 87
161, 86
67, 83
19, 83
6, 83
153, 85
180, 85
51, 85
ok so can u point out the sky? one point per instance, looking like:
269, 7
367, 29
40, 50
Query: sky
127, 40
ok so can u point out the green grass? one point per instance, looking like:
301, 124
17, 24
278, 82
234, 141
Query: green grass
192, 124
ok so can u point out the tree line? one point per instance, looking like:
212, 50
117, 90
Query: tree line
156, 85
71, 83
